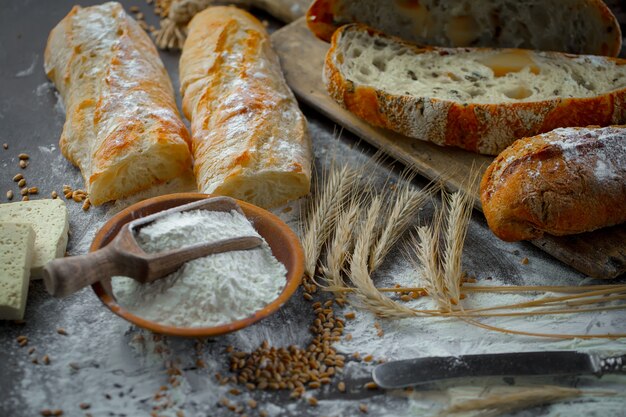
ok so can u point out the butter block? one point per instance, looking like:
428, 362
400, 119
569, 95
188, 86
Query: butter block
17, 242
50, 221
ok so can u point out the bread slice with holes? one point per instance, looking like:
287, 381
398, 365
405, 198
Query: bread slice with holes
50, 221
574, 26
16, 254
478, 99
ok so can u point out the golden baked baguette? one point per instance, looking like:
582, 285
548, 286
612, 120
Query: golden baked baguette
567, 181
478, 99
122, 127
250, 140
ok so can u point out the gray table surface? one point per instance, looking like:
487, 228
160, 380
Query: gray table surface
102, 360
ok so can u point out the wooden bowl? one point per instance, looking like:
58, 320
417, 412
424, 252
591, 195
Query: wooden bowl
282, 240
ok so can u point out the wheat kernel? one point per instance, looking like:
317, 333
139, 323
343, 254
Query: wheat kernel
363, 408
341, 386
370, 385
23, 163
62, 331
33, 190
54, 194
312, 401
24, 191
25, 198
10, 195
23, 156
84, 406
18, 177
5, 145
21, 183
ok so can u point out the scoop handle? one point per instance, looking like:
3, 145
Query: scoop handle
65, 276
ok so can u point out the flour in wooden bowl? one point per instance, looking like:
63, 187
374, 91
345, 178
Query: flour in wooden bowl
210, 291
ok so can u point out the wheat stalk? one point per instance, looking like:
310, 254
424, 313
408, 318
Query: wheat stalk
501, 400
508, 288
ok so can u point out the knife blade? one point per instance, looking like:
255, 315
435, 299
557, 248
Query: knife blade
404, 373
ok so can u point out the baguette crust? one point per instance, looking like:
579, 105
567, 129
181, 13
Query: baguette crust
122, 126
494, 23
567, 181
486, 128
250, 140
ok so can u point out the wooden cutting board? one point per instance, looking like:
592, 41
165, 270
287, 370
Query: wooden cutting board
600, 254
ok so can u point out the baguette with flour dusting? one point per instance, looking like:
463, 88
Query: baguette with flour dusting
567, 181
250, 140
478, 99
122, 126
574, 26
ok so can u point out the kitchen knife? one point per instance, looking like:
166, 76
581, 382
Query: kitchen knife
404, 373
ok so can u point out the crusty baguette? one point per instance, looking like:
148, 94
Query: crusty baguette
574, 26
478, 99
122, 126
567, 181
250, 140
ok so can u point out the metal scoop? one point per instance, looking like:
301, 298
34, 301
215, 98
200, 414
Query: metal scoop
123, 256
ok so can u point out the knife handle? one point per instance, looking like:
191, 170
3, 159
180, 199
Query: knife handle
613, 365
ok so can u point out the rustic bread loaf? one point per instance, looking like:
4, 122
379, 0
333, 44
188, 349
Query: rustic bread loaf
122, 126
574, 26
478, 99
567, 181
250, 140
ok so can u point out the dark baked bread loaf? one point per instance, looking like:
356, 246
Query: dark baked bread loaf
574, 26
567, 181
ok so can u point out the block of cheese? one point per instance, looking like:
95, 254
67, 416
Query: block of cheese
49, 220
16, 253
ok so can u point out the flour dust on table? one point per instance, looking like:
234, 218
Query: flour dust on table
209, 291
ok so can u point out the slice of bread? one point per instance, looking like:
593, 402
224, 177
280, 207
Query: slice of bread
574, 26
49, 220
478, 99
16, 253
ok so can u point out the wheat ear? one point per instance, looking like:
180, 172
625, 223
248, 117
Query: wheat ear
340, 246
365, 290
398, 218
459, 211
323, 214
501, 401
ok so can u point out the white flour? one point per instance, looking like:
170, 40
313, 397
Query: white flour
209, 291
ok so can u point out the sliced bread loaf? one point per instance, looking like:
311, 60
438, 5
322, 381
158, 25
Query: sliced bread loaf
477, 99
16, 253
574, 26
49, 220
